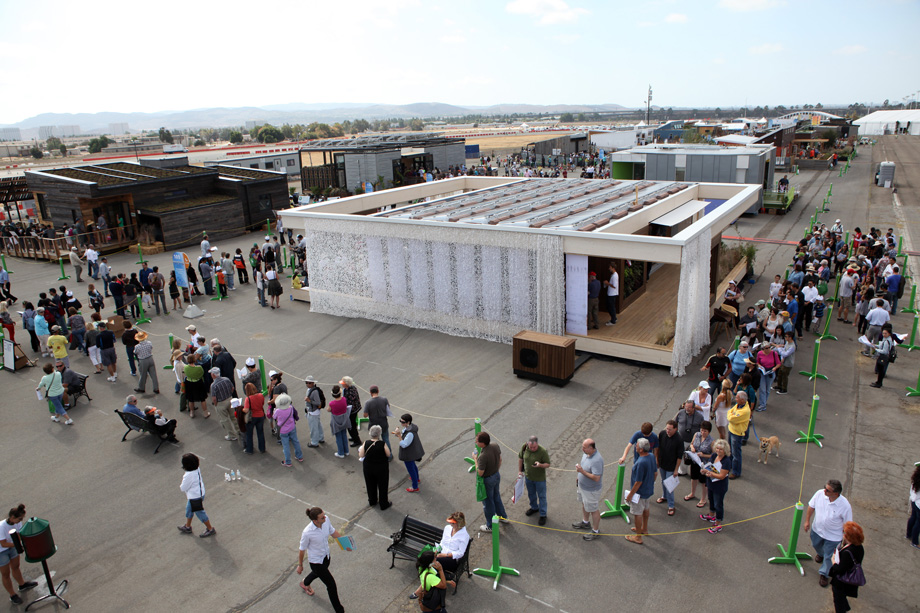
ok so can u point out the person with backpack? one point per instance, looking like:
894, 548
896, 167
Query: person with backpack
885, 354
432, 593
316, 402
157, 283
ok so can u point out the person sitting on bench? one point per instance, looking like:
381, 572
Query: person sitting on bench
161, 424
71, 382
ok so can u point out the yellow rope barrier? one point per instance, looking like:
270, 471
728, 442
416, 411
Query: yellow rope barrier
740, 521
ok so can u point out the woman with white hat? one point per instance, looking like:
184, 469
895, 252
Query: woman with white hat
702, 399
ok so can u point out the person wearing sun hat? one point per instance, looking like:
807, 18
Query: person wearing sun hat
143, 351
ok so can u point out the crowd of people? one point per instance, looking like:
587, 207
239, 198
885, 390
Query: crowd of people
703, 440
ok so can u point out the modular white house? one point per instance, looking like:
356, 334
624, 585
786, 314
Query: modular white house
488, 257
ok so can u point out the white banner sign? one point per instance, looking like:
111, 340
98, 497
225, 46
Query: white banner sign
576, 294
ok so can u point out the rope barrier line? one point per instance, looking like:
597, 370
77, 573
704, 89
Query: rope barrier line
733, 523
395, 406
563, 470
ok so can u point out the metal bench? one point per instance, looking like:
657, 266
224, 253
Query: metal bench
134, 422
412, 538
81, 389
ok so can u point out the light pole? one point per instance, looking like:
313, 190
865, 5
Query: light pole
648, 105
136, 157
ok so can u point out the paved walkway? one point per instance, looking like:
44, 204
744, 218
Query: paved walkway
114, 505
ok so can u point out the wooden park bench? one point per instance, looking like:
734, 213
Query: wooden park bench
135, 422
412, 538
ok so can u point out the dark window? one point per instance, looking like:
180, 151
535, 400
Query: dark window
290, 162
256, 166
265, 202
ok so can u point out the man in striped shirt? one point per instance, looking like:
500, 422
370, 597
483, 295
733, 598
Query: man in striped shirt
221, 394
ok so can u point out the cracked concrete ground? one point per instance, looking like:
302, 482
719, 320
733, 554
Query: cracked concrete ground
114, 505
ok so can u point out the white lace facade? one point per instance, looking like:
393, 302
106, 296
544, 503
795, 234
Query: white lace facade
488, 284
692, 323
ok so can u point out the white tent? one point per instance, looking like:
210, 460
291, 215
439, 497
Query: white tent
889, 122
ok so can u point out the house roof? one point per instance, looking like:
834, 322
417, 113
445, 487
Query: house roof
570, 204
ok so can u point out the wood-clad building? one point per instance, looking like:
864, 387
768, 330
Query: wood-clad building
157, 200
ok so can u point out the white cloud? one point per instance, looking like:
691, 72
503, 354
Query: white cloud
453, 39
676, 18
765, 49
747, 6
850, 50
546, 12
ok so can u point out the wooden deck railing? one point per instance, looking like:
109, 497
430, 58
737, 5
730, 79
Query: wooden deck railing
105, 241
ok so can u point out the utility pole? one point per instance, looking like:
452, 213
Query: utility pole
648, 105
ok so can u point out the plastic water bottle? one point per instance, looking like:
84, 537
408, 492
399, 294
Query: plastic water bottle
239, 475
232, 476
226, 476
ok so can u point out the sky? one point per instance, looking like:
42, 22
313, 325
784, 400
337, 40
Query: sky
76, 57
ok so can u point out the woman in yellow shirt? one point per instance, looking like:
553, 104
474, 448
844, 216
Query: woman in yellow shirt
58, 345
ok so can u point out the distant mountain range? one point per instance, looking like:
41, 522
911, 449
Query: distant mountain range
292, 113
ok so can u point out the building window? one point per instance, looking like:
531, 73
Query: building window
265, 202
679, 174
256, 166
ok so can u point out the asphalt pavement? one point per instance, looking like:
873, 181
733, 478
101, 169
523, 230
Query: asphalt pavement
114, 506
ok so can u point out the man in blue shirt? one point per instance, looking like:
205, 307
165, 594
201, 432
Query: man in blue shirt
642, 479
594, 292
131, 407
894, 281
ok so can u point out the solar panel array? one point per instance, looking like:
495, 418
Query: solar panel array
569, 204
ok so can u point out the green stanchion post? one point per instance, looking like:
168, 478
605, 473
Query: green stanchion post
913, 336
840, 173
497, 570
786, 276
618, 509
140, 254
64, 275
291, 265
904, 270
268, 225
219, 295
836, 297
262, 374
814, 374
827, 324
735, 343
914, 391
790, 555
140, 307
898, 254
913, 296
169, 366
471, 461
3, 258
830, 190
810, 436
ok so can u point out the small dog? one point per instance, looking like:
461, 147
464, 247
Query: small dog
768, 444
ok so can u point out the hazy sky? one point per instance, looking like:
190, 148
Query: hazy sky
152, 56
